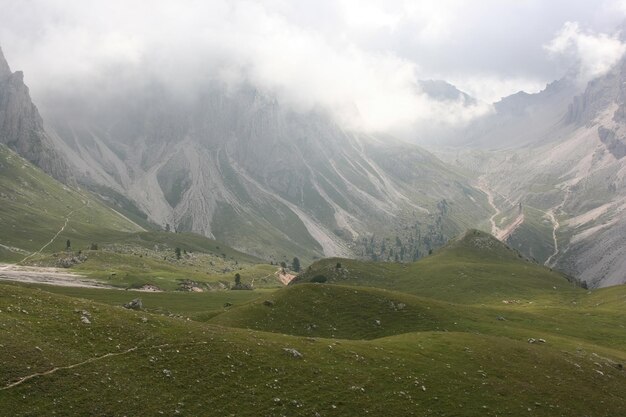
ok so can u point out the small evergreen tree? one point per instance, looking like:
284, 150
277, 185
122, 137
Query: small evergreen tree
68, 245
295, 265
237, 279
177, 251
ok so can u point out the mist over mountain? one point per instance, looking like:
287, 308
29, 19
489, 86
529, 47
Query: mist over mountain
249, 139
237, 165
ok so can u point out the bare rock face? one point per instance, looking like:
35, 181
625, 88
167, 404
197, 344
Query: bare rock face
5, 71
21, 126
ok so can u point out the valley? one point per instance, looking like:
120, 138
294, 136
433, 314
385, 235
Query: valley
284, 222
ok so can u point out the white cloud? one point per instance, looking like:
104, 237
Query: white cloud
492, 87
593, 53
341, 54
184, 46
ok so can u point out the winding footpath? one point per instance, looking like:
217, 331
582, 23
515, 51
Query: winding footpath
53, 370
94, 359
67, 219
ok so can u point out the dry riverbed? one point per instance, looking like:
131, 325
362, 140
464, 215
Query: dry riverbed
50, 276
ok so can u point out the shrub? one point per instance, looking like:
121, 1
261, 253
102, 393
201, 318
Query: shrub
319, 279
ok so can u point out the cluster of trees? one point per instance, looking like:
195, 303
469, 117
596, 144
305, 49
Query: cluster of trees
409, 244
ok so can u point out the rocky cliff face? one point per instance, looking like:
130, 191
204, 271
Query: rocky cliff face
238, 166
21, 126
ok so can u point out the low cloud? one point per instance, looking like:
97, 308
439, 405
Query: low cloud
80, 47
591, 54
360, 59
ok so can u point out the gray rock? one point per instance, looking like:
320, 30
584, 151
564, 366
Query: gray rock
135, 304
22, 129
294, 353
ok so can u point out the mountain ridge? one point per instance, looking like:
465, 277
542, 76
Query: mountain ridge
21, 126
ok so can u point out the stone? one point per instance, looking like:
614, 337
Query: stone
134, 304
294, 353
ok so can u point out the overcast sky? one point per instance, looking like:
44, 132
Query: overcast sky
343, 54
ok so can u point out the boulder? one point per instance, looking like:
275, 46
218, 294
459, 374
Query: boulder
294, 353
135, 304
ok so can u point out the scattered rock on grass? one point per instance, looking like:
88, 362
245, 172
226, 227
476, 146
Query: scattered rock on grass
294, 353
135, 304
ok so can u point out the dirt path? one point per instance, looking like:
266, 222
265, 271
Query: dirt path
67, 219
90, 360
53, 370
50, 276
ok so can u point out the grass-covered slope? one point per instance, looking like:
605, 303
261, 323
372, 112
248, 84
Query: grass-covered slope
340, 312
34, 208
135, 363
476, 268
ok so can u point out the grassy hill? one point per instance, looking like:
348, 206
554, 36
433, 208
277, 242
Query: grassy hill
74, 368
340, 312
476, 268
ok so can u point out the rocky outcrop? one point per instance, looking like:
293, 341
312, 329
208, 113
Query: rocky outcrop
21, 126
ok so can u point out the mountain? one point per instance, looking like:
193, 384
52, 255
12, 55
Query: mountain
21, 126
554, 169
521, 119
237, 165
441, 90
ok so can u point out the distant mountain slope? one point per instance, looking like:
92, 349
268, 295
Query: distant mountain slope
239, 166
566, 175
21, 126
522, 119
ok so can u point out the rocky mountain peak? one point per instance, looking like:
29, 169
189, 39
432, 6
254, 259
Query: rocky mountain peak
5, 71
21, 126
